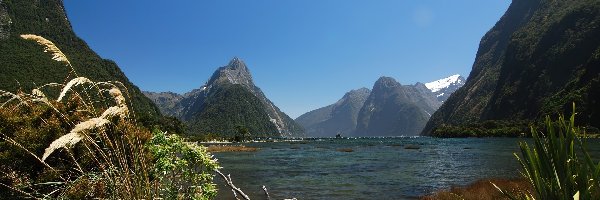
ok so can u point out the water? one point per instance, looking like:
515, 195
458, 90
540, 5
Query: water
377, 168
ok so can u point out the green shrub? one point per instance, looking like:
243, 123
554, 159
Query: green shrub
179, 163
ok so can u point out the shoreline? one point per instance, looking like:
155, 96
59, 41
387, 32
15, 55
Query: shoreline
230, 148
482, 189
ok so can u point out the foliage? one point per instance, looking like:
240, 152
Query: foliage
95, 159
558, 164
92, 147
489, 128
243, 134
179, 163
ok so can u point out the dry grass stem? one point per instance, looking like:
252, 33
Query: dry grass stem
11, 141
12, 98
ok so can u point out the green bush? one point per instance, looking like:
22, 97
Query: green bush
184, 169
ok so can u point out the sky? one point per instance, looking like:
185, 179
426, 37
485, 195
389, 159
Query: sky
303, 54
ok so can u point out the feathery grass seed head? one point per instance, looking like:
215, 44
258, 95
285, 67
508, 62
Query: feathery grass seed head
73, 82
121, 111
49, 47
118, 96
76, 135
38, 93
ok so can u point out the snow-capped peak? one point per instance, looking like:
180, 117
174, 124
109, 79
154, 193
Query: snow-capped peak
436, 86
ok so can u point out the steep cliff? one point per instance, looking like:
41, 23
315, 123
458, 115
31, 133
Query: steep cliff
538, 58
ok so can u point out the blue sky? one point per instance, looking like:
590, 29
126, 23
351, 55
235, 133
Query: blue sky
303, 54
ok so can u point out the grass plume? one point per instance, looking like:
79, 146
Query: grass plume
49, 47
76, 135
72, 83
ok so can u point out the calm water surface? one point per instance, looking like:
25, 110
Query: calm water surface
377, 168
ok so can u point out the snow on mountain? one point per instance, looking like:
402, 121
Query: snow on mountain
443, 88
438, 85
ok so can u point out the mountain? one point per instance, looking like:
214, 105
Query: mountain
443, 88
228, 101
396, 105
393, 109
340, 117
23, 64
166, 101
538, 58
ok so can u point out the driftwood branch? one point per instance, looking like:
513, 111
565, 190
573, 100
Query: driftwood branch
235, 189
266, 193
235, 194
239, 191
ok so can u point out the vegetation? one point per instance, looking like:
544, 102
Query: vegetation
558, 165
489, 128
25, 66
179, 163
80, 140
230, 108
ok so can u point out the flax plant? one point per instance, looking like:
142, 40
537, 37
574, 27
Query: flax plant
558, 164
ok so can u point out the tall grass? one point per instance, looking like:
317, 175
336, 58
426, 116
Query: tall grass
558, 164
79, 140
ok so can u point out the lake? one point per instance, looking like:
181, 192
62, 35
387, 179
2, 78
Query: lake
377, 168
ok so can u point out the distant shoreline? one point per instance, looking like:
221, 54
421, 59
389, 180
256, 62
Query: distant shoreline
230, 148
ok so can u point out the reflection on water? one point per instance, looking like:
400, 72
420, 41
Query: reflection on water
377, 168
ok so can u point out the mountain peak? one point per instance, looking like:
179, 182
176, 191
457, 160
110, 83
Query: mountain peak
236, 63
235, 72
386, 82
230, 99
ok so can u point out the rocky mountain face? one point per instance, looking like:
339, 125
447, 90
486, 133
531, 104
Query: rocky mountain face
23, 64
338, 118
5, 22
443, 88
394, 109
166, 101
228, 100
538, 58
